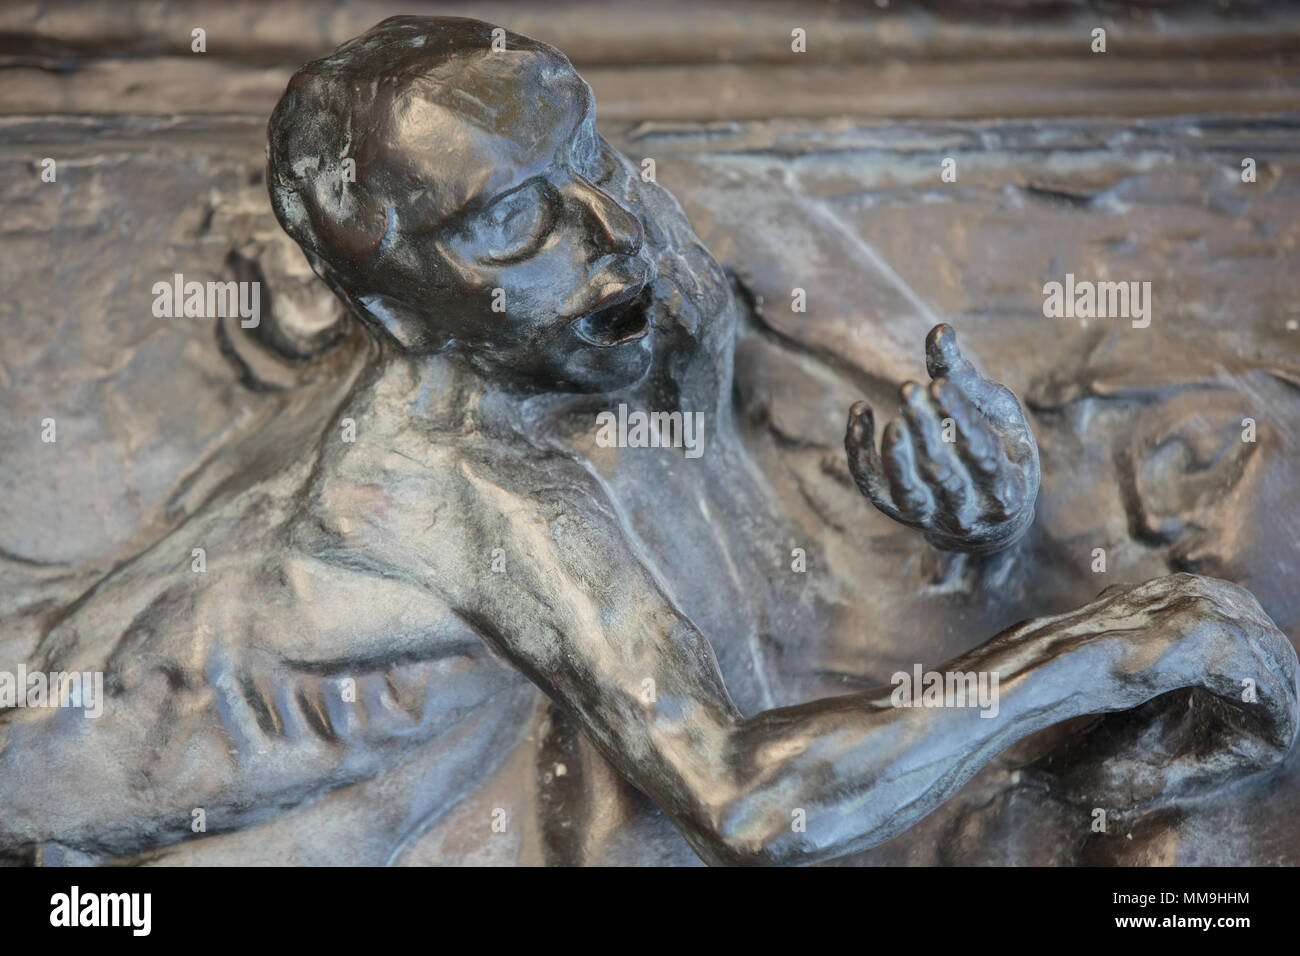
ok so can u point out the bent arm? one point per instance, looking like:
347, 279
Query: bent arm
866, 770
579, 613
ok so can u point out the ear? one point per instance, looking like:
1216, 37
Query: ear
381, 314
409, 330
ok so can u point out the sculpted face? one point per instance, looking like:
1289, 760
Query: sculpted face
487, 216
543, 273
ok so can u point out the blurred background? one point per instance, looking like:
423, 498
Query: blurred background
679, 60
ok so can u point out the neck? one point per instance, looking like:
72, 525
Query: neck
692, 372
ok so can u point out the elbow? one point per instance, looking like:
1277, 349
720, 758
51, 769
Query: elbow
742, 826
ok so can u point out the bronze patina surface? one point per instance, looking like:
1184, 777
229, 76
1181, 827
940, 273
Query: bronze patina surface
439, 618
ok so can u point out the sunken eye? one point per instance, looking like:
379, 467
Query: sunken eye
514, 226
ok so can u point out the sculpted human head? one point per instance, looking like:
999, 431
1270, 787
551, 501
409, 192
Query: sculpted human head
450, 185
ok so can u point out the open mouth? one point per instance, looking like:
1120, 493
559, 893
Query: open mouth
618, 323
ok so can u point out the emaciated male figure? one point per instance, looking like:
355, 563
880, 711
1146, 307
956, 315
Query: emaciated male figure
518, 277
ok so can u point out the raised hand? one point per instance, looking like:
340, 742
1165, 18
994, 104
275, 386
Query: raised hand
960, 463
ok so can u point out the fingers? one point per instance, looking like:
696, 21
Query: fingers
978, 444
943, 359
999, 480
918, 476
937, 462
864, 460
975, 477
915, 504
969, 486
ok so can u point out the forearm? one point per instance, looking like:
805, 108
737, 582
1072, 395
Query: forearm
861, 769
857, 770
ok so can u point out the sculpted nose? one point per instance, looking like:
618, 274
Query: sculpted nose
616, 229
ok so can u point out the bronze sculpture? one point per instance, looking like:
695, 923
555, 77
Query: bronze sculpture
480, 182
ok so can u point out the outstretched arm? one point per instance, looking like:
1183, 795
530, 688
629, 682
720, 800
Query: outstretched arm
578, 612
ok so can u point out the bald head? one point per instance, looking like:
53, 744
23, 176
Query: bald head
410, 126
445, 177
